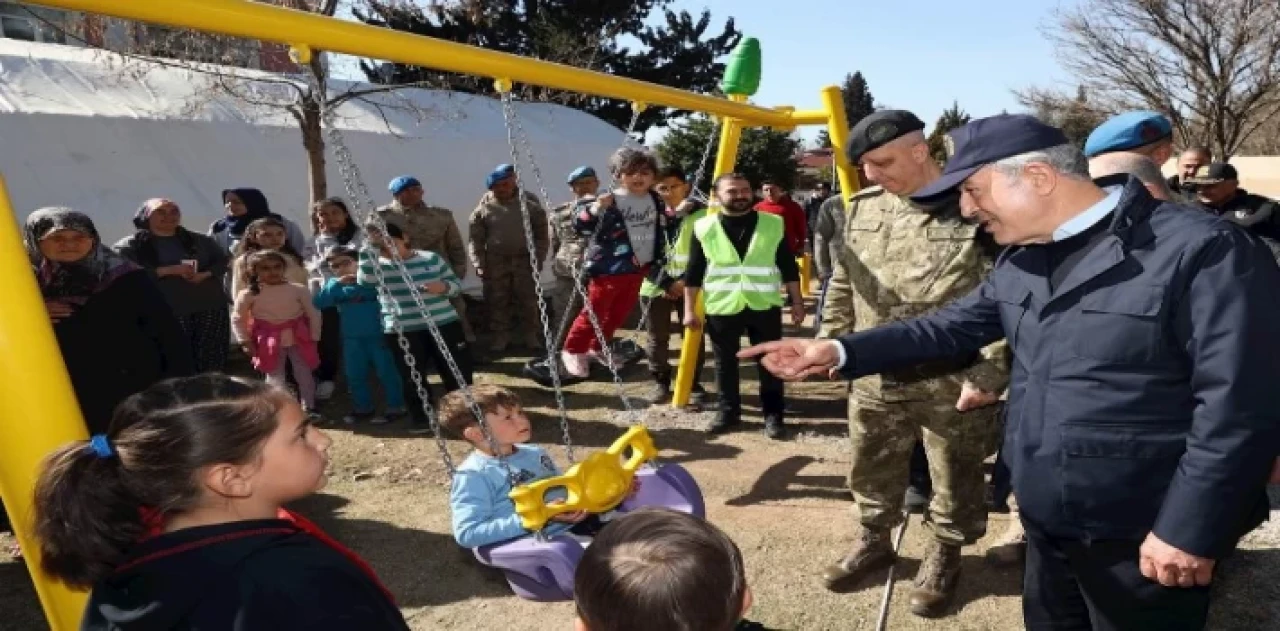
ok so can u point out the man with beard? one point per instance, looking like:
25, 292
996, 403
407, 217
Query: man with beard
741, 259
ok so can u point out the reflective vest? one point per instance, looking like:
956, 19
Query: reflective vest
677, 254
732, 284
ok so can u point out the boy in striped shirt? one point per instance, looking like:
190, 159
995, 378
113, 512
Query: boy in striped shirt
436, 284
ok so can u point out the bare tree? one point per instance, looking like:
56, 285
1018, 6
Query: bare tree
1076, 116
1212, 66
224, 67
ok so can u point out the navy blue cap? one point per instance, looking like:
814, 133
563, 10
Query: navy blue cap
1126, 131
1213, 174
988, 140
398, 185
580, 173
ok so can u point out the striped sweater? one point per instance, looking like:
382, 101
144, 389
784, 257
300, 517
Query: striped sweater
423, 267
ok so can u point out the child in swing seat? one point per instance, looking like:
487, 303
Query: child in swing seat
173, 519
278, 326
656, 568
482, 512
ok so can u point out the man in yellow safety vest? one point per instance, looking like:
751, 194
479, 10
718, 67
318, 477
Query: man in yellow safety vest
741, 260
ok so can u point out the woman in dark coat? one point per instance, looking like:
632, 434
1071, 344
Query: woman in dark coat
116, 331
188, 267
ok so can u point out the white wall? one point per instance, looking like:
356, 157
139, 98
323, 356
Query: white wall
73, 132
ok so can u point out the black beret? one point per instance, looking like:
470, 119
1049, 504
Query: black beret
878, 129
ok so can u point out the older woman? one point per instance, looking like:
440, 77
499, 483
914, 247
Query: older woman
117, 333
189, 268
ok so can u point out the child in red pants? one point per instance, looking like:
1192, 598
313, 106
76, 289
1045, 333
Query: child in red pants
629, 242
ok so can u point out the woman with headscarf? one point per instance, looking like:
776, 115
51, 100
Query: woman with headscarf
189, 268
117, 333
244, 206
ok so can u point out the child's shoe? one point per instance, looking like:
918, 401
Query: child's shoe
576, 364
392, 415
324, 390
358, 417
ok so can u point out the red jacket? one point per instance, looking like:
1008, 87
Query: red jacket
793, 220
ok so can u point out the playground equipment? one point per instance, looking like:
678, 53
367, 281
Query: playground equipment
38, 387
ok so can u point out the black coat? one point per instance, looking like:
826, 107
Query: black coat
123, 340
1143, 389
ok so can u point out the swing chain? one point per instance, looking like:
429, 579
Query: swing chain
359, 193
509, 116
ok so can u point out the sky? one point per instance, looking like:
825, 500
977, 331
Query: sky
920, 55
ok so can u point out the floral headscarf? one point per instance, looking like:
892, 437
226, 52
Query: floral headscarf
73, 283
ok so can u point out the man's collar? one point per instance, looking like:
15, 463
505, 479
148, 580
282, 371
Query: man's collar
1090, 216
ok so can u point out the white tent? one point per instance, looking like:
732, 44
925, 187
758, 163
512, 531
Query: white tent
76, 130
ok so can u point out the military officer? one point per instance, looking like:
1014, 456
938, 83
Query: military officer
900, 260
567, 245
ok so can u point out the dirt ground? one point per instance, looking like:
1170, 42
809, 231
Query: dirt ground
785, 504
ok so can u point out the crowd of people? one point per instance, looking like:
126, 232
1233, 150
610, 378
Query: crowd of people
1135, 433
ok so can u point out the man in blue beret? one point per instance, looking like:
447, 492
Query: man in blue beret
1144, 132
567, 245
1142, 425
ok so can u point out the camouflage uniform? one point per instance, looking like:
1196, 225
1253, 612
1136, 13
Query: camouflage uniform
434, 229
898, 262
498, 246
828, 235
568, 248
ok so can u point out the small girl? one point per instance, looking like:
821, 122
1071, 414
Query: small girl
276, 323
174, 518
266, 234
363, 347
436, 284
331, 226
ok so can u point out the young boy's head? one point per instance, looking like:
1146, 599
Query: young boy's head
396, 239
673, 186
502, 413
342, 260
635, 168
660, 569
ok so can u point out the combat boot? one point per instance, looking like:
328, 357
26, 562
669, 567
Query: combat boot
1011, 546
871, 552
661, 392
936, 581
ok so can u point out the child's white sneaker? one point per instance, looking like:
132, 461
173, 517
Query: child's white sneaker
576, 364
324, 390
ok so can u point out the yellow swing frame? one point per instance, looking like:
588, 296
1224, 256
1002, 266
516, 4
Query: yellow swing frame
36, 399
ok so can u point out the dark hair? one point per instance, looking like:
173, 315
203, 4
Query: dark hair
657, 568
456, 416
629, 160
250, 244
251, 262
729, 176
392, 229
348, 231
770, 181
675, 172
89, 509
339, 251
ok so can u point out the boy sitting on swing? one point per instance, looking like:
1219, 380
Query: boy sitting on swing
482, 512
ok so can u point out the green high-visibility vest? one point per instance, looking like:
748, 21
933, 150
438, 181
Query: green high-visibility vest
677, 256
733, 284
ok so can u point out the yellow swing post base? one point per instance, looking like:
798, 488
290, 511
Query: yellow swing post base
596, 485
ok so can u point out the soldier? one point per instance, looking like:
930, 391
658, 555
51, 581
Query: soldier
1189, 162
898, 261
500, 254
1218, 191
429, 228
567, 245
828, 235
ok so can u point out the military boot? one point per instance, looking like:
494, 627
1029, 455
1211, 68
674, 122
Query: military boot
1011, 546
661, 392
871, 552
936, 581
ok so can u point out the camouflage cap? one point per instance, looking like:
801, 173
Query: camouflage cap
880, 128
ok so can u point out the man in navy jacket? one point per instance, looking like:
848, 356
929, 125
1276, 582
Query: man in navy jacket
1142, 419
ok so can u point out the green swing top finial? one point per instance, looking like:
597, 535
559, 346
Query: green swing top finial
742, 73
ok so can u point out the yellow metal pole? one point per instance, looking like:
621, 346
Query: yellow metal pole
838, 131
255, 20
38, 410
686, 370
803, 262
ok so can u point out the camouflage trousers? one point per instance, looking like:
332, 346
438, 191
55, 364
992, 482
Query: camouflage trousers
883, 436
509, 291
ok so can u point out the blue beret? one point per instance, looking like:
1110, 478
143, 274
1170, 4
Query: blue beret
580, 173
503, 172
398, 185
1126, 131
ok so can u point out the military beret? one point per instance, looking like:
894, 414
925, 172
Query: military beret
1126, 131
879, 129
